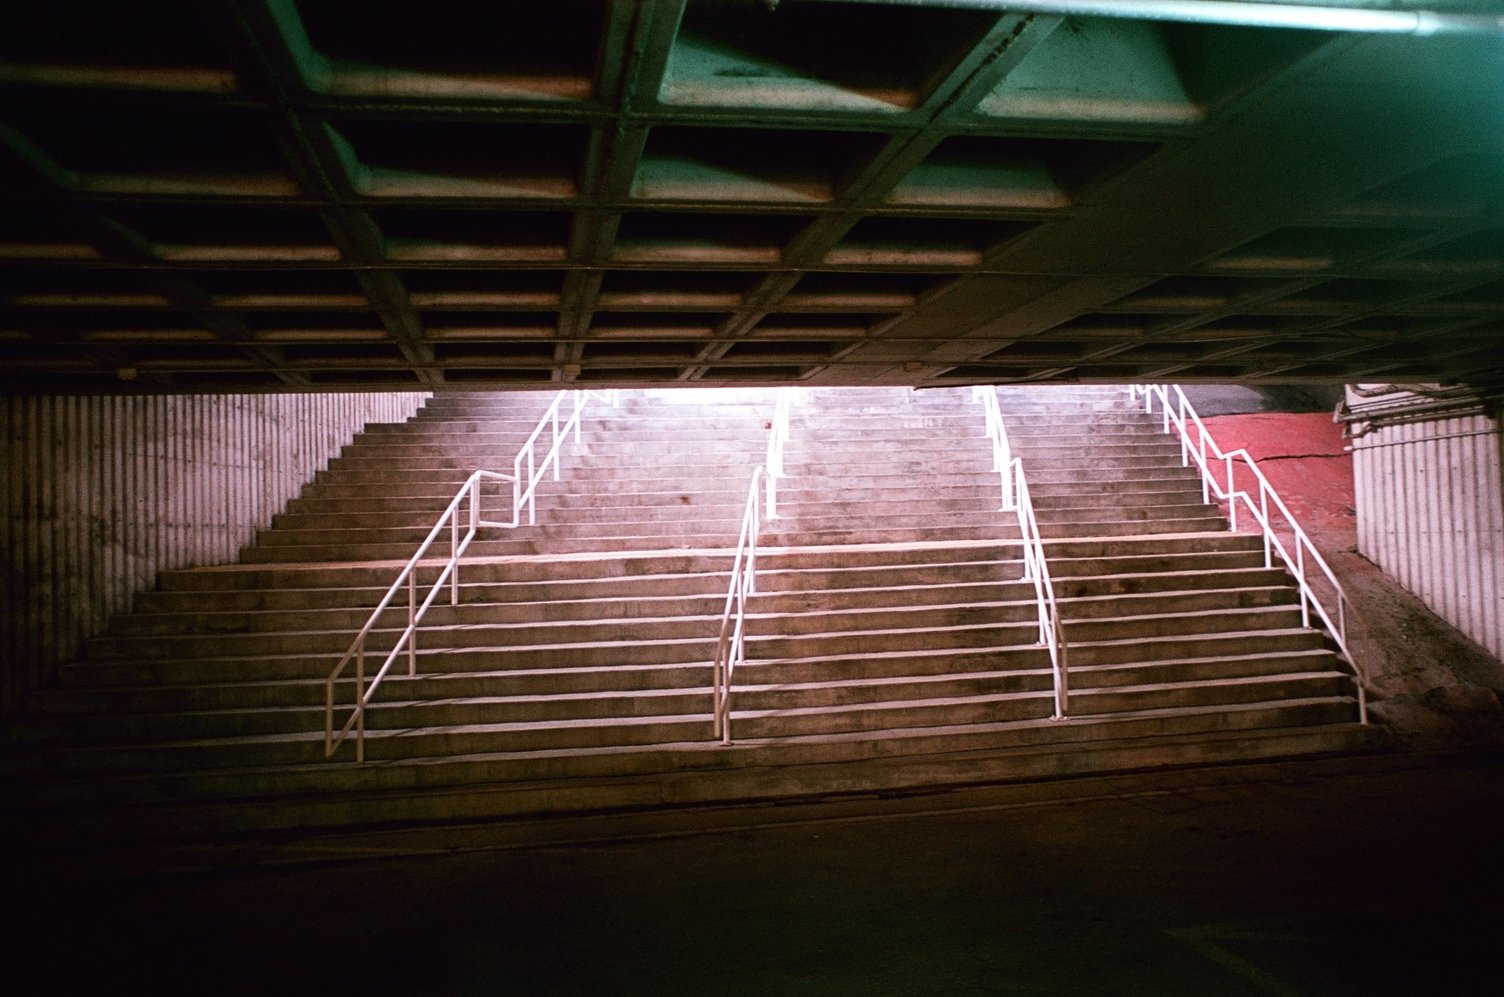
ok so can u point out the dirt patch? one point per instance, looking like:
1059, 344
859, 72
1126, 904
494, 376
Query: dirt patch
1428, 681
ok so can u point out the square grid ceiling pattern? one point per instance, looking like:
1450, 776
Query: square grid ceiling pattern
316, 194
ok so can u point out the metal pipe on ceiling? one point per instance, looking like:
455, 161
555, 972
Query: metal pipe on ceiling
1240, 13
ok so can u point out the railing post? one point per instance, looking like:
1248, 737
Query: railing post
532, 490
1232, 502
1264, 510
360, 703
1206, 480
715, 694
554, 449
1300, 577
1062, 670
454, 557
751, 586
412, 622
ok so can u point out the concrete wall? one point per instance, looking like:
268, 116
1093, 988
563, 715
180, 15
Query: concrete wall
102, 493
1431, 507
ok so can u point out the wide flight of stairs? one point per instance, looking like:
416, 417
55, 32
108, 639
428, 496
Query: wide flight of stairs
891, 642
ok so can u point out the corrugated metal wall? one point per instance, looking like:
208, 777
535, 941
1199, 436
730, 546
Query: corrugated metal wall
1430, 513
104, 492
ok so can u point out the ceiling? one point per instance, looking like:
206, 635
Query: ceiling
333, 194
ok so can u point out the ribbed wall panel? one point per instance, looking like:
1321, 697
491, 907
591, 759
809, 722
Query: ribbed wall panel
102, 493
1430, 500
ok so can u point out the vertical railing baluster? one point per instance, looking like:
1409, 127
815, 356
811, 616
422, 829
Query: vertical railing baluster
1232, 502
554, 451
360, 704
1300, 577
1268, 527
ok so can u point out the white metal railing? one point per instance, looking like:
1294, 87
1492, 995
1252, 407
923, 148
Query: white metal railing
470, 492
1181, 417
1016, 498
731, 645
1002, 453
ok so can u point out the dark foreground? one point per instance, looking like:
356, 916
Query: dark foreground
1376, 876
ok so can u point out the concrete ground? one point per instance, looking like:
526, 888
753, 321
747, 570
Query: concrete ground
1350, 876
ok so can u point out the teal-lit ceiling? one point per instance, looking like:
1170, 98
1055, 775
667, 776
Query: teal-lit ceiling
279, 195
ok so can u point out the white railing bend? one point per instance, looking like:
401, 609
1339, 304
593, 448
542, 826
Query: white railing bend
470, 492
731, 645
1016, 498
1197, 445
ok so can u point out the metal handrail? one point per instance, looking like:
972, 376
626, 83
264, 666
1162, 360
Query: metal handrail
1002, 451
408, 577
731, 647
1205, 452
528, 450
1037, 570
1016, 498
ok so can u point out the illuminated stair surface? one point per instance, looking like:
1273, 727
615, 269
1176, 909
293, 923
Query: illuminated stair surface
891, 642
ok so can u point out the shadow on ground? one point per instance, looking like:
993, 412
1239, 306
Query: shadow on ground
1369, 876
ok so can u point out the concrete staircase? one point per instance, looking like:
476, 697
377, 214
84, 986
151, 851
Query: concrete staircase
648, 474
891, 643
1098, 467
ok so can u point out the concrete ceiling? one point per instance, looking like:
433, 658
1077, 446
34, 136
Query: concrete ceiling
279, 195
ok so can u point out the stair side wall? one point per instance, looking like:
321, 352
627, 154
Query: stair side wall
1430, 502
103, 492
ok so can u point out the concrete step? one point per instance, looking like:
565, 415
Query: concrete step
86, 701
1244, 620
667, 508
1038, 431
592, 447
1127, 512
539, 541
491, 786
611, 564
1211, 668
1070, 476
1215, 692
715, 519
949, 714
550, 500
607, 467
1056, 529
